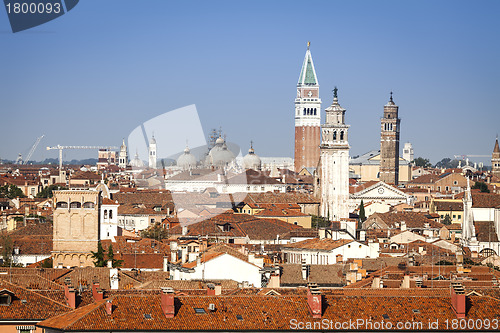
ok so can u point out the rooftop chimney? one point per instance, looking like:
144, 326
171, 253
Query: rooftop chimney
210, 289
97, 292
314, 301
165, 263
376, 282
458, 300
109, 307
70, 295
406, 282
167, 302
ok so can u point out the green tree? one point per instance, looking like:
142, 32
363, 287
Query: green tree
362, 216
111, 256
98, 256
447, 220
319, 222
47, 263
155, 232
481, 186
11, 191
7, 247
47, 191
422, 162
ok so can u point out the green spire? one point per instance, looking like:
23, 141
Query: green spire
307, 73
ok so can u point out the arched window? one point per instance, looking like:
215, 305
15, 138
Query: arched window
335, 135
88, 204
304, 111
342, 136
314, 111
61, 204
75, 204
110, 214
388, 116
105, 213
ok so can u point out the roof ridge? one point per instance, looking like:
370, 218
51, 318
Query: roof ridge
34, 292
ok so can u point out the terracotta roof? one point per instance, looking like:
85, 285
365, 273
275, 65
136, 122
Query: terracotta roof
293, 197
323, 275
485, 231
106, 201
485, 200
259, 313
280, 212
143, 197
449, 205
413, 220
325, 244
28, 305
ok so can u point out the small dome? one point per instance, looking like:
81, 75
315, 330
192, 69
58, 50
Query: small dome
153, 140
186, 160
219, 141
137, 162
251, 160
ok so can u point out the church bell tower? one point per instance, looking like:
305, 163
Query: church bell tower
334, 163
389, 144
307, 116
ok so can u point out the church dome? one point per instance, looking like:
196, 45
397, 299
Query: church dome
219, 155
137, 162
251, 160
186, 160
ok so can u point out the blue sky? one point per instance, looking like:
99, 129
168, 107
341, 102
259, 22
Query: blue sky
93, 75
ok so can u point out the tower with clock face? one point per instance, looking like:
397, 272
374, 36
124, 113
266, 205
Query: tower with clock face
333, 171
307, 116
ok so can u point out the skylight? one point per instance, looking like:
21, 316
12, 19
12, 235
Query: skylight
147, 316
199, 310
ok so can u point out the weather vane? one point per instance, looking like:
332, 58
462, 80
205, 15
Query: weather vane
335, 92
308, 44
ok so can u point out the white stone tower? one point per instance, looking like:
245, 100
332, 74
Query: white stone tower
408, 152
123, 156
152, 152
307, 116
495, 160
334, 163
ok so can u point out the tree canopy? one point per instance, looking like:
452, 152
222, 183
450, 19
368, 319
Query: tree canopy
422, 162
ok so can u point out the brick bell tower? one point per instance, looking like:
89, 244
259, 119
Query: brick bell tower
307, 116
389, 144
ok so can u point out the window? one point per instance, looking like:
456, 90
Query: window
75, 204
334, 135
110, 214
5, 299
459, 217
105, 213
342, 136
61, 204
454, 216
88, 204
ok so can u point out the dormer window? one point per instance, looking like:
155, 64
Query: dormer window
6, 297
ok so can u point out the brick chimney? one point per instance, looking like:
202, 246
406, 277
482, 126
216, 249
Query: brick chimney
97, 292
458, 300
210, 289
109, 306
314, 301
70, 295
167, 302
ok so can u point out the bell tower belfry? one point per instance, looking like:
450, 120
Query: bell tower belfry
389, 144
334, 163
307, 116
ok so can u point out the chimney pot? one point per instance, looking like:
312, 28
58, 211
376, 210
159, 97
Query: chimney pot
167, 302
315, 301
109, 307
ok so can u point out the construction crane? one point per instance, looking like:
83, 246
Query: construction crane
75, 147
32, 150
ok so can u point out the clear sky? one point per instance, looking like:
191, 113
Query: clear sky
91, 76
